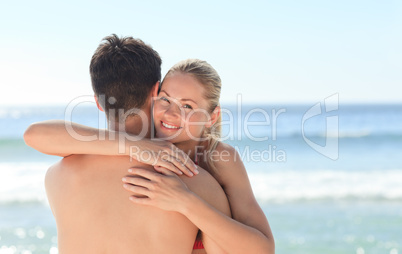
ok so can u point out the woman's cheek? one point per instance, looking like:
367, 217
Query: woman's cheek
195, 125
158, 110
199, 118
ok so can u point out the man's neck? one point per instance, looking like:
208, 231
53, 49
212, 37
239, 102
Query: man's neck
138, 125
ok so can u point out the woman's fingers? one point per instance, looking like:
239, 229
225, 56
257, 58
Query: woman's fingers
160, 188
141, 201
179, 166
137, 189
145, 173
184, 160
137, 181
177, 162
164, 154
179, 158
171, 167
164, 171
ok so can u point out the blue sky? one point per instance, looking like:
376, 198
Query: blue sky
267, 51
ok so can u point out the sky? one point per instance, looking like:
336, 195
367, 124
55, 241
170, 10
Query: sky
289, 51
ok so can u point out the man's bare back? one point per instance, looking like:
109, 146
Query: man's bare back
94, 214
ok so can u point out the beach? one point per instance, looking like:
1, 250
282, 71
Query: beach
313, 202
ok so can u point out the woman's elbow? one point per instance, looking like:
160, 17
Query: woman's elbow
270, 246
266, 246
32, 135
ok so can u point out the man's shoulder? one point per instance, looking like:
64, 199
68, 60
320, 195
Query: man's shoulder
82, 161
69, 170
74, 169
63, 172
59, 182
66, 167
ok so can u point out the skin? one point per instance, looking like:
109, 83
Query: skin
183, 109
248, 231
94, 215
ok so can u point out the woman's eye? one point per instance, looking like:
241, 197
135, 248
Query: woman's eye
164, 99
187, 106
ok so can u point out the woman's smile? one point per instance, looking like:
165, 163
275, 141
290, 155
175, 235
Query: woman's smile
169, 126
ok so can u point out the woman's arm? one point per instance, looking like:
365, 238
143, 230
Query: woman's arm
57, 137
248, 232
53, 137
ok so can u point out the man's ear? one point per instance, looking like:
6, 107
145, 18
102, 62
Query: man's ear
97, 104
155, 89
214, 116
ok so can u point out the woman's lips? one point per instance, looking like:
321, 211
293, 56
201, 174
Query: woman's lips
169, 126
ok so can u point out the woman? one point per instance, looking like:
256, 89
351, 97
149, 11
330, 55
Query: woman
187, 113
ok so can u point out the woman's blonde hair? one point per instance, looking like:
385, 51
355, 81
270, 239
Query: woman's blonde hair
209, 78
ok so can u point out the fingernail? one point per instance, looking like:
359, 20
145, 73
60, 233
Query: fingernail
196, 171
125, 185
124, 179
130, 170
191, 173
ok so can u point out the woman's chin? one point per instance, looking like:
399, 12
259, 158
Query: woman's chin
169, 138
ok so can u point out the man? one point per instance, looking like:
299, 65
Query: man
92, 209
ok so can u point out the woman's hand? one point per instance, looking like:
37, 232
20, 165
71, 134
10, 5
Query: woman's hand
163, 190
162, 154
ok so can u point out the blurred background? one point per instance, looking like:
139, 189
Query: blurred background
286, 56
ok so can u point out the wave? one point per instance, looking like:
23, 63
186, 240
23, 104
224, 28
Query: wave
343, 134
297, 136
12, 141
23, 183
348, 134
18, 142
360, 135
290, 186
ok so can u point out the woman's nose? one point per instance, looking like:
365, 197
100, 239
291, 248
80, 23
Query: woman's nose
173, 110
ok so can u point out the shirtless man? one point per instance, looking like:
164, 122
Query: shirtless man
92, 210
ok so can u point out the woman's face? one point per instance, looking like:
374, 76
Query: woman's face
180, 110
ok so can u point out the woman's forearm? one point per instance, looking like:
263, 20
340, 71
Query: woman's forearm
231, 235
56, 137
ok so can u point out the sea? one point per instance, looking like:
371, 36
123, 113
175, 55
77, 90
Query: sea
328, 176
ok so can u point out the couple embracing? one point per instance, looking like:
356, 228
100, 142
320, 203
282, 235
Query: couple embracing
181, 201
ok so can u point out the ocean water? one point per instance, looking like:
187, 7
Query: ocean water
329, 181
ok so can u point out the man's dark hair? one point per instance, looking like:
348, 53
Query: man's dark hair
125, 69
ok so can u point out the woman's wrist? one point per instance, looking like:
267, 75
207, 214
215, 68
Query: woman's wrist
133, 148
189, 203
